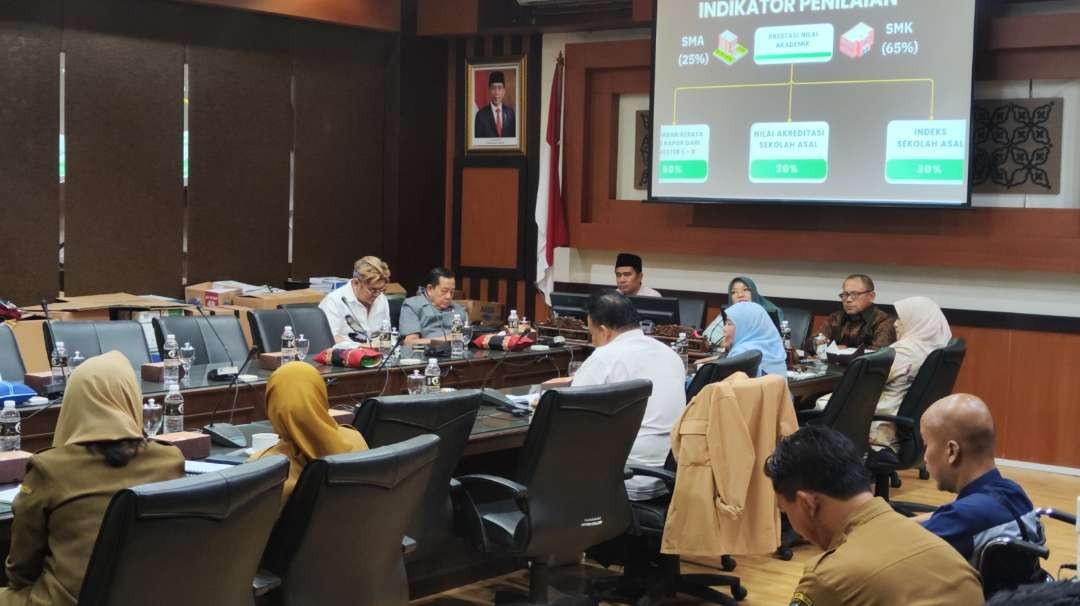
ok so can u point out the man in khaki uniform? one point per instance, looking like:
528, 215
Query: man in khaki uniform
872, 555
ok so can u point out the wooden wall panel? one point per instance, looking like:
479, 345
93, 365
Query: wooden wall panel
30, 88
1043, 415
489, 217
123, 193
448, 17
988, 373
241, 130
373, 14
339, 173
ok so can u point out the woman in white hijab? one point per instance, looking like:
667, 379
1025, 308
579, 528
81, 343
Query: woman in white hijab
921, 328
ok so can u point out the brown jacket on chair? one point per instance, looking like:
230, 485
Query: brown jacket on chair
723, 503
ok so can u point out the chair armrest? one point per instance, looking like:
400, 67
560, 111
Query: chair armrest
484, 488
408, 545
627, 473
664, 475
904, 422
806, 416
264, 582
1058, 515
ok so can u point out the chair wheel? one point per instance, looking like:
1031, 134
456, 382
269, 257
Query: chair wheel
784, 553
923, 474
727, 563
738, 592
894, 480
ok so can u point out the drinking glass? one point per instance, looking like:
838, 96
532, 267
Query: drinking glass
572, 368
187, 357
302, 347
466, 336
151, 414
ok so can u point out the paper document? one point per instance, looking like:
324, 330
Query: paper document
197, 467
8, 496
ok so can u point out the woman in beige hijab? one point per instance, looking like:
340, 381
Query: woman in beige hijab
921, 328
299, 410
98, 449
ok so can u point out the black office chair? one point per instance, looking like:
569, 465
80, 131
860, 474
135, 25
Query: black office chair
395, 302
451, 416
296, 305
748, 362
199, 331
95, 337
692, 312
268, 324
195, 540
341, 534
11, 364
851, 407
799, 320
1005, 563
568, 492
935, 380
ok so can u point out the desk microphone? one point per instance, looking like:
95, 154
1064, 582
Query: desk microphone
227, 434
225, 373
397, 344
355, 326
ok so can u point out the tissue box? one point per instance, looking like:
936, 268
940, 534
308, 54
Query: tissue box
155, 372
13, 466
270, 361
193, 444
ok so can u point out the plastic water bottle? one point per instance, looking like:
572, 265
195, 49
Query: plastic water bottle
58, 363
76, 359
512, 321
384, 334
173, 414
682, 347
395, 353
789, 347
288, 346
432, 375
10, 438
457, 331
171, 359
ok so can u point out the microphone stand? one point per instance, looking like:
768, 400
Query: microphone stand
227, 434
223, 373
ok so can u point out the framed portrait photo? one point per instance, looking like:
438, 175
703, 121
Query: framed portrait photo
495, 105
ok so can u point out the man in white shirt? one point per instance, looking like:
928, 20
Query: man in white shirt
623, 353
628, 276
359, 307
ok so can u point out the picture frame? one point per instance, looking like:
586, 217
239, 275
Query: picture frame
495, 97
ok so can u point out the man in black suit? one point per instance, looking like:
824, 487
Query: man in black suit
495, 120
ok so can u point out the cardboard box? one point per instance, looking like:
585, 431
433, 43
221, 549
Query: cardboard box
30, 336
270, 300
343, 417
13, 466
483, 311
270, 361
99, 307
394, 288
38, 380
209, 296
193, 444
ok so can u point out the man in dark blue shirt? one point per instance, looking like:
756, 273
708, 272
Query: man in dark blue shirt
959, 435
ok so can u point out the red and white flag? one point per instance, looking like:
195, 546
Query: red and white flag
551, 230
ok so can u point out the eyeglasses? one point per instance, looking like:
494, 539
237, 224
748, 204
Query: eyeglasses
371, 289
851, 296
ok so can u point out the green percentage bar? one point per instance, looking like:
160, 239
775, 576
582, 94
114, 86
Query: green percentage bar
925, 170
684, 170
790, 56
789, 170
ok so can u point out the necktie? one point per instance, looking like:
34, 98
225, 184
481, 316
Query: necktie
498, 122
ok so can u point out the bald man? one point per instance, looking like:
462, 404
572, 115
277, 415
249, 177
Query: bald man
959, 435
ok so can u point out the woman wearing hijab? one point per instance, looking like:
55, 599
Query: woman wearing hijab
921, 328
298, 407
741, 289
748, 327
98, 449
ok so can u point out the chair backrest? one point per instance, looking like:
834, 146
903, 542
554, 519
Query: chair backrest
199, 331
1005, 563
692, 312
195, 540
573, 461
748, 362
935, 380
799, 321
95, 337
395, 302
338, 540
451, 416
268, 324
296, 305
851, 407
11, 364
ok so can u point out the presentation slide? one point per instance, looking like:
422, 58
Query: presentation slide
812, 101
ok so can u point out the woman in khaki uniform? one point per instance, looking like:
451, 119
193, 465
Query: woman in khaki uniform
98, 450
